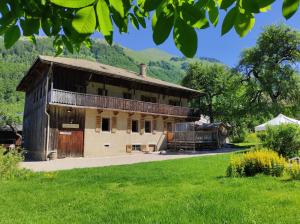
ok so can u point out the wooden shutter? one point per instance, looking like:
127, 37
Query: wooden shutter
129, 125
154, 126
98, 124
142, 125
114, 123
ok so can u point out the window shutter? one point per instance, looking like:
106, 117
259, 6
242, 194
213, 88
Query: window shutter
154, 126
114, 124
142, 125
98, 124
129, 125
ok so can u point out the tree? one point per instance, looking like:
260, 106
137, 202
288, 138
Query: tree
270, 69
72, 22
217, 82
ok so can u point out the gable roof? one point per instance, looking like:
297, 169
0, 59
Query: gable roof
95, 67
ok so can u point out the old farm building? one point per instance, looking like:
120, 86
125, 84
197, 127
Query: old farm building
81, 108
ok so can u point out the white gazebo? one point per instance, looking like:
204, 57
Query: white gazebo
280, 119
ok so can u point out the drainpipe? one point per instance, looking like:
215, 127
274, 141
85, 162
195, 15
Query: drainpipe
46, 113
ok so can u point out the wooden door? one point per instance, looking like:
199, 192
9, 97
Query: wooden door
70, 143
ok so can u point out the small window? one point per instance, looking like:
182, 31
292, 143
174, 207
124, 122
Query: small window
174, 102
105, 124
102, 92
127, 96
148, 127
169, 127
148, 99
135, 126
136, 147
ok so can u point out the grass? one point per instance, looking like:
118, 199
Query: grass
192, 190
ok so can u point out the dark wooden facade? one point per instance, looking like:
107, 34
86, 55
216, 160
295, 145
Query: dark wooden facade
63, 139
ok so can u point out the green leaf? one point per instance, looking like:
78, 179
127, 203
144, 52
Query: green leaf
201, 4
289, 8
149, 5
229, 20
161, 26
264, 3
213, 14
32, 39
68, 44
226, 3
8, 19
243, 23
104, 19
58, 46
194, 16
72, 3
134, 21
250, 6
11, 36
30, 26
140, 16
85, 20
185, 38
119, 6
3, 30
46, 26
4, 8
122, 23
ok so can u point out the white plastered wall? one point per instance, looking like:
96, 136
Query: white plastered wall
94, 142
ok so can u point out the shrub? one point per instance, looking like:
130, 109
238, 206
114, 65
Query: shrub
254, 162
9, 161
284, 139
251, 138
293, 170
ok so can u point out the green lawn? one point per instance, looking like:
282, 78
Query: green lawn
191, 190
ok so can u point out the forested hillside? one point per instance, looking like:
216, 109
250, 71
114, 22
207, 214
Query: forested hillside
15, 61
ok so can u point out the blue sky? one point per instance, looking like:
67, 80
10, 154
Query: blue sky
210, 42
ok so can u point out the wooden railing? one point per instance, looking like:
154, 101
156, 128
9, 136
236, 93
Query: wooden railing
107, 102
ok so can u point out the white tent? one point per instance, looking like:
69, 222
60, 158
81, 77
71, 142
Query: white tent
280, 119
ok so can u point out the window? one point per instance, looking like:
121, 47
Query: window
174, 102
148, 127
105, 124
136, 147
127, 96
169, 127
135, 126
148, 99
102, 92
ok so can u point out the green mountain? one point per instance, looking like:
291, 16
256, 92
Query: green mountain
15, 62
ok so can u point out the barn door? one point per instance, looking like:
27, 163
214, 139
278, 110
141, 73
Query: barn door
70, 143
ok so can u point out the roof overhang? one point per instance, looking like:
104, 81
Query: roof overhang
46, 60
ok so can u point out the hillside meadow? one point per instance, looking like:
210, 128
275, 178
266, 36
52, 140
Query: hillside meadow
193, 190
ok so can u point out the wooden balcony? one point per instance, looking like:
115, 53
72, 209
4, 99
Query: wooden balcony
62, 97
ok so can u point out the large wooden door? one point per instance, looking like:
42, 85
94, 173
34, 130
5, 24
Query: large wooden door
70, 143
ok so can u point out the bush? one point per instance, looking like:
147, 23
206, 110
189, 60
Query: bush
293, 170
284, 139
251, 138
9, 161
254, 162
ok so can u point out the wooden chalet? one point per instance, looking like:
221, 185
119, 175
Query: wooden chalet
75, 108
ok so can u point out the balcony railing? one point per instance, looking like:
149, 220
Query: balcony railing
107, 102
